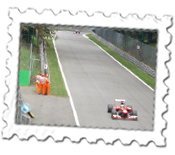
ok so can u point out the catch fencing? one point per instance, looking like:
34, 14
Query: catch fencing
129, 45
33, 65
30, 64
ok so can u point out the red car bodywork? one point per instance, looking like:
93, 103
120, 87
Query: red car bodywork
76, 31
122, 109
123, 116
125, 113
127, 118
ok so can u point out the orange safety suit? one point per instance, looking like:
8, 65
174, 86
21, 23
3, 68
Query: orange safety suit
47, 86
41, 84
37, 82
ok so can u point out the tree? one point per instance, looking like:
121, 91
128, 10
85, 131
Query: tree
44, 32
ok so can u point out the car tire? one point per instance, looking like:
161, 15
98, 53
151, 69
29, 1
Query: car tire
110, 106
120, 113
134, 112
114, 112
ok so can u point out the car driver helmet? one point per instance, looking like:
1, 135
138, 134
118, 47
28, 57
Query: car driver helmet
121, 106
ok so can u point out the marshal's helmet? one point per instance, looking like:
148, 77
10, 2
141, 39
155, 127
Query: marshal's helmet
47, 75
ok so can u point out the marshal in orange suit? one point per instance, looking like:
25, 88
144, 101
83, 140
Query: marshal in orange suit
41, 82
37, 77
47, 85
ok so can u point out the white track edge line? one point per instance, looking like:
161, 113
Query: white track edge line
119, 63
67, 88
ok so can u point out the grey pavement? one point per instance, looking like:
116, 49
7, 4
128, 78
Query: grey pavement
95, 80
48, 110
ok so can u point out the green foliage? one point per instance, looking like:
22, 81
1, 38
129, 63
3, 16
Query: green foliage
43, 31
148, 36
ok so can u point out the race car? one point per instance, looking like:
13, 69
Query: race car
122, 111
76, 31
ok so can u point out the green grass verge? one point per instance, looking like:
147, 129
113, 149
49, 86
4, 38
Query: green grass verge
57, 83
138, 72
25, 58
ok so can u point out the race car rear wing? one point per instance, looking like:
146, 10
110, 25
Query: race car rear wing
120, 100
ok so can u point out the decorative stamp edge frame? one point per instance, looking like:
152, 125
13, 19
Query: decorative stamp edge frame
140, 24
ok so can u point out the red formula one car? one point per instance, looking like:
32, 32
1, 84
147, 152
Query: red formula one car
122, 111
76, 31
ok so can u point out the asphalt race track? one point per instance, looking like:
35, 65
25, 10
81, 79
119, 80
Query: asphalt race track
95, 80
